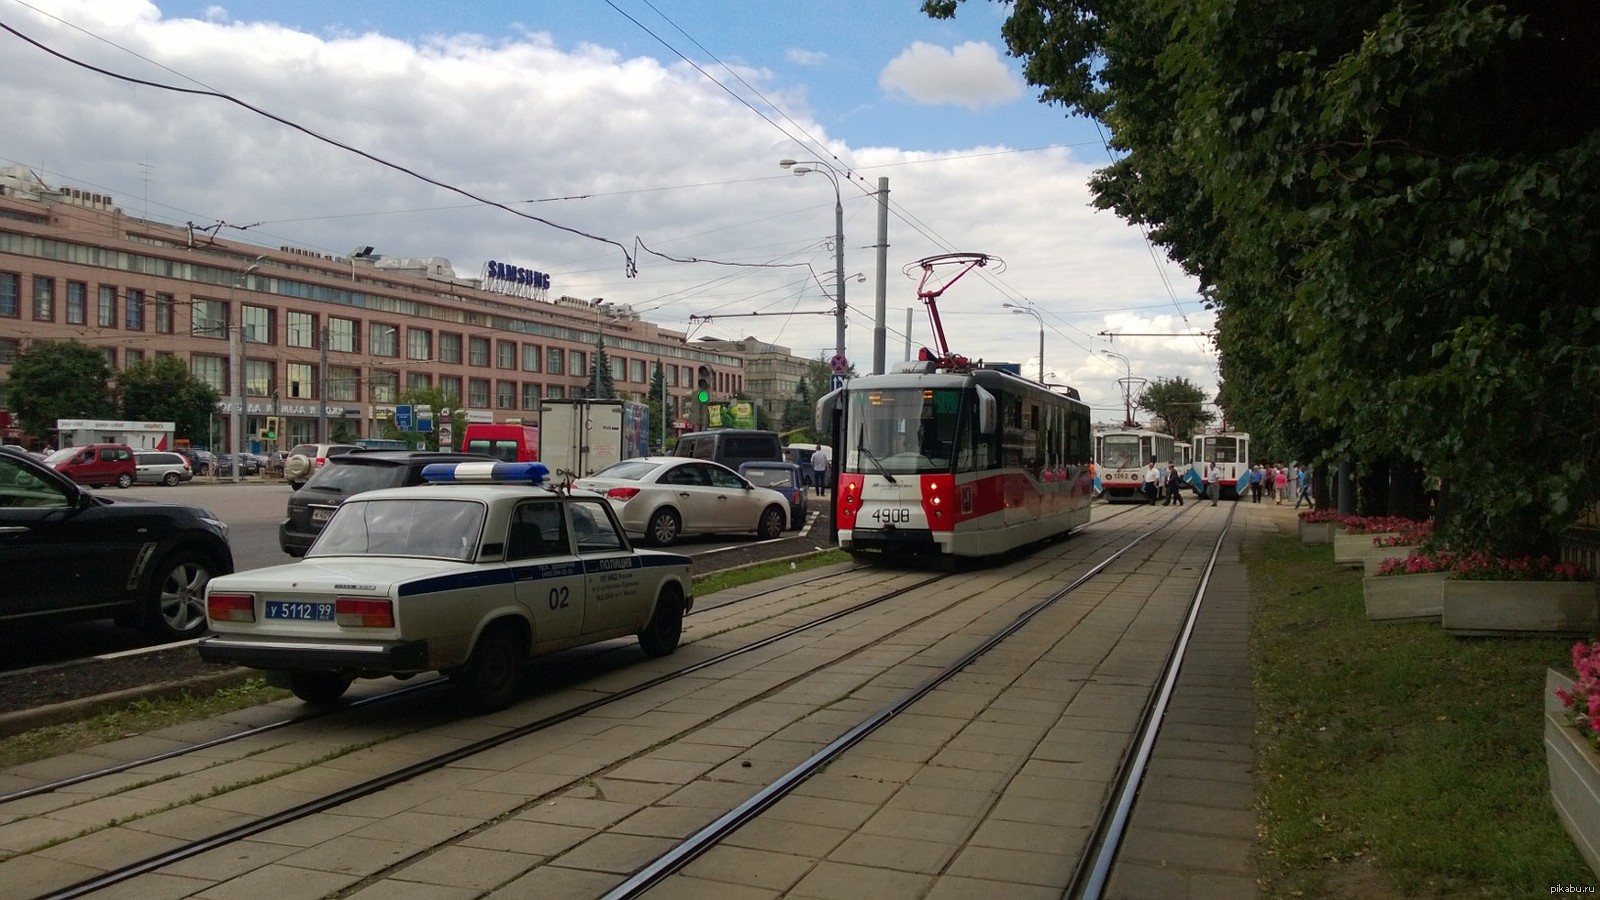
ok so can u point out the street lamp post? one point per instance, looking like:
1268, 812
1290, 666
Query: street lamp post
235, 351
1030, 311
806, 167
1127, 387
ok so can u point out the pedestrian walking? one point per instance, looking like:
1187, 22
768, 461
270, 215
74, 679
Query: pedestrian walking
1304, 485
1280, 484
1255, 484
819, 471
1152, 481
1214, 482
1174, 486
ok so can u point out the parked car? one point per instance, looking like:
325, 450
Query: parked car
161, 467
731, 446
661, 498
786, 479
201, 462
223, 466
95, 464
305, 459
276, 460
469, 579
69, 554
346, 475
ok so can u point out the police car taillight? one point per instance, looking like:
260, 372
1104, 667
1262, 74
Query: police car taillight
622, 494
231, 607
485, 473
361, 612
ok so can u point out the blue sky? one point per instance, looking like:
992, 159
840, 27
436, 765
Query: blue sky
576, 114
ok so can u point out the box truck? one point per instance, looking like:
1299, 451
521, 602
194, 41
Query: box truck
578, 438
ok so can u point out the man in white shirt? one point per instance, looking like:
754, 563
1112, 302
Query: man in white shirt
1214, 482
819, 471
1152, 480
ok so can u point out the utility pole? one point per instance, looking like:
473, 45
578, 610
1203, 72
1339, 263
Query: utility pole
880, 331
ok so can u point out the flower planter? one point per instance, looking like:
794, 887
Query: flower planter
1372, 560
1405, 598
1317, 532
1349, 548
1513, 608
1574, 773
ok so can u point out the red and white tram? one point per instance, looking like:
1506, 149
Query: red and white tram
1230, 450
966, 463
1124, 454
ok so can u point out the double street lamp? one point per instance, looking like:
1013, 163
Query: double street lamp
1030, 311
806, 167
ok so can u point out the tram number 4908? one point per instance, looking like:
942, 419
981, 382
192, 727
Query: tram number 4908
892, 515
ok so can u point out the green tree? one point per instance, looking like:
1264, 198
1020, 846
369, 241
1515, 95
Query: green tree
658, 413
1393, 208
163, 390
426, 440
1181, 405
601, 386
53, 380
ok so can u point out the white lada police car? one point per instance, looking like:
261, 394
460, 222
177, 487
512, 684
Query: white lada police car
470, 574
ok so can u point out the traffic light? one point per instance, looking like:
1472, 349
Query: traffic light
704, 396
271, 432
704, 393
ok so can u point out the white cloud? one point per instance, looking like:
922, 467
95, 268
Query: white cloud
972, 75
803, 57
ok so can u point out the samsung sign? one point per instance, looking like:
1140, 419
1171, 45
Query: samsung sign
505, 278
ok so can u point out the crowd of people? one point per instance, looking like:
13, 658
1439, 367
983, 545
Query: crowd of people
1277, 482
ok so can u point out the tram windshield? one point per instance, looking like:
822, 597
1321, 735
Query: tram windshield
1121, 451
910, 431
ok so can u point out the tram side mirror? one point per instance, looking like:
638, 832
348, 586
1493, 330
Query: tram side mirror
986, 410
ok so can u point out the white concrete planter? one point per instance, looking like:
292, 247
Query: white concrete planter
1317, 532
1574, 774
1350, 548
1405, 598
1519, 608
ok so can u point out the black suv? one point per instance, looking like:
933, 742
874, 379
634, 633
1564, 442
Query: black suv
68, 554
342, 477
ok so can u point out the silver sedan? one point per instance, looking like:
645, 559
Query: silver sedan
661, 498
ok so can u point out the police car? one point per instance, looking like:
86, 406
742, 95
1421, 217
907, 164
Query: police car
470, 574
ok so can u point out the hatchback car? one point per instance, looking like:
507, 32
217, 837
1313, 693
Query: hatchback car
95, 464
343, 477
785, 478
305, 459
661, 498
161, 467
70, 555
470, 576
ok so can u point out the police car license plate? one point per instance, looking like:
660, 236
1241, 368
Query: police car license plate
321, 514
305, 612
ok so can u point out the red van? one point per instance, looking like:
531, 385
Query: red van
94, 464
512, 443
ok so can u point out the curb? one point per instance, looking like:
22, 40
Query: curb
24, 720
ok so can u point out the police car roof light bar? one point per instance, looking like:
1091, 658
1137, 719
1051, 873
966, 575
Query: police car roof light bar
486, 473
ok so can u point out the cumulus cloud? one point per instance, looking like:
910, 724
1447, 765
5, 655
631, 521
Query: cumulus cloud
803, 57
970, 75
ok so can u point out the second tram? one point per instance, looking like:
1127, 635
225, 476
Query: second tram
963, 463
1230, 450
1123, 457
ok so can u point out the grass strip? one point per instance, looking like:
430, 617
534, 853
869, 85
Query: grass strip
1396, 760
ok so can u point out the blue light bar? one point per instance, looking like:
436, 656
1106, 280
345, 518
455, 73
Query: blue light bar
485, 473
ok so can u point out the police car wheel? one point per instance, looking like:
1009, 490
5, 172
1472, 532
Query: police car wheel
660, 637
773, 521
492, 678
318, 688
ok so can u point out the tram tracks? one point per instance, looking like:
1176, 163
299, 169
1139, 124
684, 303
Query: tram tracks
409, 773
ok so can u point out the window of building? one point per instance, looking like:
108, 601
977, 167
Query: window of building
636, 371
555, 392
530, 395
258, 377
449, 348
44, 298
419, 344
383, 339
418, 381
164, 303
131, 358
505, 354
342, 335
478, 352
106, 312
300, 381
578, 362
213, 370
110, 356
450, 385
8, 350
210, 319
77, 303
385, 386
299, 329
505, 395
134, 320
552, 361
531, 355
671, 375
618, 376
257, 324
10, 295
478, 393
344, 383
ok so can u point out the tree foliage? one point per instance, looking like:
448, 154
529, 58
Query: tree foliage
163, 390
1179, 403
1393, 208
53, 380
601, 385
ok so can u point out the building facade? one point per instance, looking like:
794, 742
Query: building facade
324, 338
